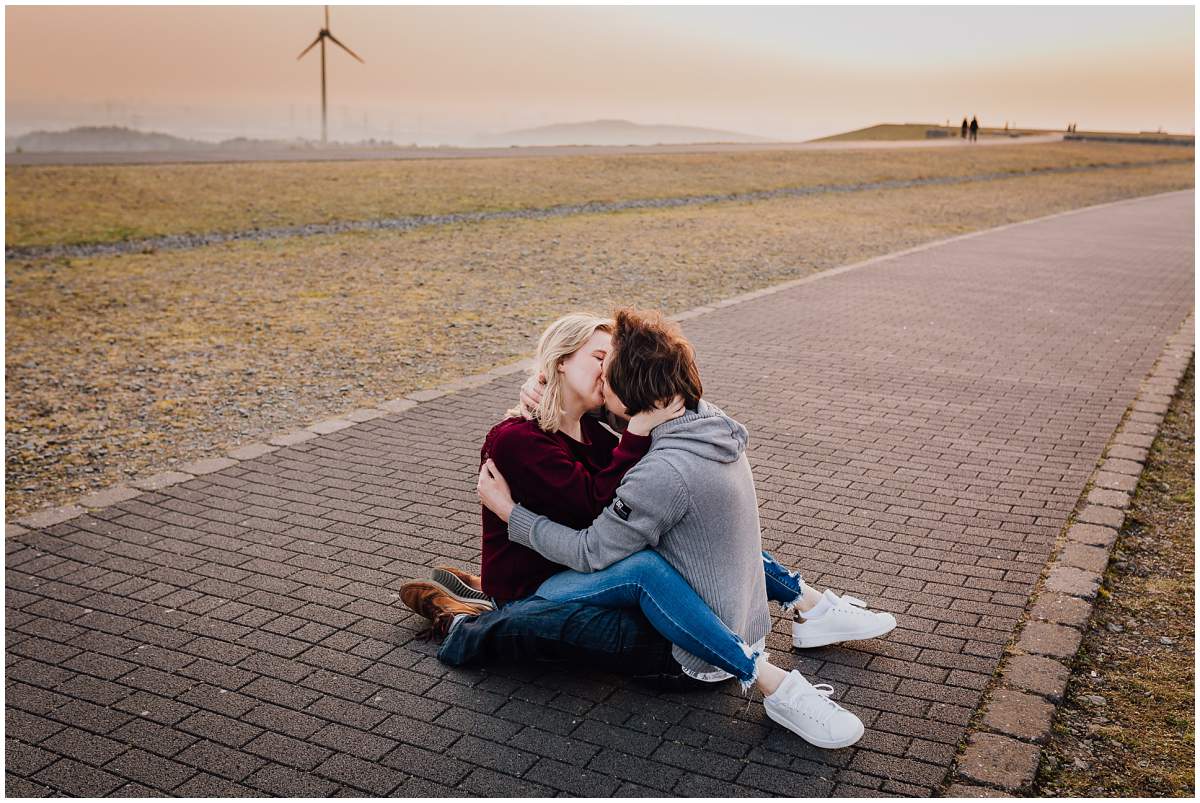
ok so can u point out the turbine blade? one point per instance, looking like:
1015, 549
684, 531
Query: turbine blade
310, 47
343, 47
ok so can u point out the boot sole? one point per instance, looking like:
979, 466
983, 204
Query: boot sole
460, 590
817, 742
835, 638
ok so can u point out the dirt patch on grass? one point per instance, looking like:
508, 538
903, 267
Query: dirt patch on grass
122, 365
46, 205
1127, 727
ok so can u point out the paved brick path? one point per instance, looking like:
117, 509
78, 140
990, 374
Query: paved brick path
921, 428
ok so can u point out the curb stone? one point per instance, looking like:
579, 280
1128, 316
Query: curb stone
1002, 751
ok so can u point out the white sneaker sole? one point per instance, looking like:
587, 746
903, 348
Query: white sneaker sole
824, 639
817, 741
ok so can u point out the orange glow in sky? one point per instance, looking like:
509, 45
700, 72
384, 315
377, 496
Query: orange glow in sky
447, 73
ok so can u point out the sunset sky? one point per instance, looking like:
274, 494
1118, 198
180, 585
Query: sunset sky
444, 74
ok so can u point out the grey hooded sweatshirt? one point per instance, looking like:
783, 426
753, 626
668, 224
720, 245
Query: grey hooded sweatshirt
692, 499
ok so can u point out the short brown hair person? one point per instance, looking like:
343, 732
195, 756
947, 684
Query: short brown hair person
651, 361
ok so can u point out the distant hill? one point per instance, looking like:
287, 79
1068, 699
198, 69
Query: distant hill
910, 131
102, 138
614, 132
128, 140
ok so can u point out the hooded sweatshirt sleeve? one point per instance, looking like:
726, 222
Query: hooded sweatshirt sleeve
650, 501
547, 477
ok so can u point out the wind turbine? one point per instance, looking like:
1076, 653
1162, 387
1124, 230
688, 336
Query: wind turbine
320, 40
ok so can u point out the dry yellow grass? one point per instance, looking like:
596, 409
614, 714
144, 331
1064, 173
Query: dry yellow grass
79, 204
1128, 726
128, 363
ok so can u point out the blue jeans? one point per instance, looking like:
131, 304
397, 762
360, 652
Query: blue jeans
534, 629
645, 580
610, 639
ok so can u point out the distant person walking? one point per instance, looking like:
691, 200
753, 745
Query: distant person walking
964, 128
974, 128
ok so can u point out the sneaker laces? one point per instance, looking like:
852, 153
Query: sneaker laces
821, 691
849, 604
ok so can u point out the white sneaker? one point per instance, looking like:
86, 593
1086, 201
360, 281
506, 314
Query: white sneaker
807, 711
845, 619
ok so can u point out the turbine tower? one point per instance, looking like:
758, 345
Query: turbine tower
320, 40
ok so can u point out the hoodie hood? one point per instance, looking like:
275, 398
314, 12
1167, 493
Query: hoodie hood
705, 432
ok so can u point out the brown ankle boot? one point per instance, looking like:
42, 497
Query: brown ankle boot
439, 606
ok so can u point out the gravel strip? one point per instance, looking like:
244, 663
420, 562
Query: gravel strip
179, 242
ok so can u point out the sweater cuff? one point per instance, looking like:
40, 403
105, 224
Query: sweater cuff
520, 526
637, 444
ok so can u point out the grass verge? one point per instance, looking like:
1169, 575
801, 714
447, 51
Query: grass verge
1127, 726
45, 205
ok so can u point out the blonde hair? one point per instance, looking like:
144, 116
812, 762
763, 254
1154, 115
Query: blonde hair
561, 339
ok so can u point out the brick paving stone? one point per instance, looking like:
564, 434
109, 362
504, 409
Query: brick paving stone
159, 481
1092, 535
703, 786
149, 769
365, 775
484, 782
1118, 466
926, 444
203, 784
330, 426
280, 781
1014, 713
48, 517
492, 755
1036, 674
25, 759
1105, 498
1104, 516
426, 395
397, 405
15, 786
292, 438
970, 790
210, 465
281, 749
72, 778
1115, 482
427, 764
109, 496
1074, 582
1044, 638
1088, 558
999, 761
84, 746
358, 743
783, 783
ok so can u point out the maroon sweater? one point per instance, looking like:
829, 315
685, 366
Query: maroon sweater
553, 475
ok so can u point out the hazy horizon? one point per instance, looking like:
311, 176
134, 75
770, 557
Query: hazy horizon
448, 74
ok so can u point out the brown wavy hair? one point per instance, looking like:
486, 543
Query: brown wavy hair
651, 361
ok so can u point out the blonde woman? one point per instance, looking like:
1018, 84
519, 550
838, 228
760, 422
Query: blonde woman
562, 461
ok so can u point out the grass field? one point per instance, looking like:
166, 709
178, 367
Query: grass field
128, 364
86, 204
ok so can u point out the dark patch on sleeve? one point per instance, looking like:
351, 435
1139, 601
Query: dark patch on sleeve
621, 509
